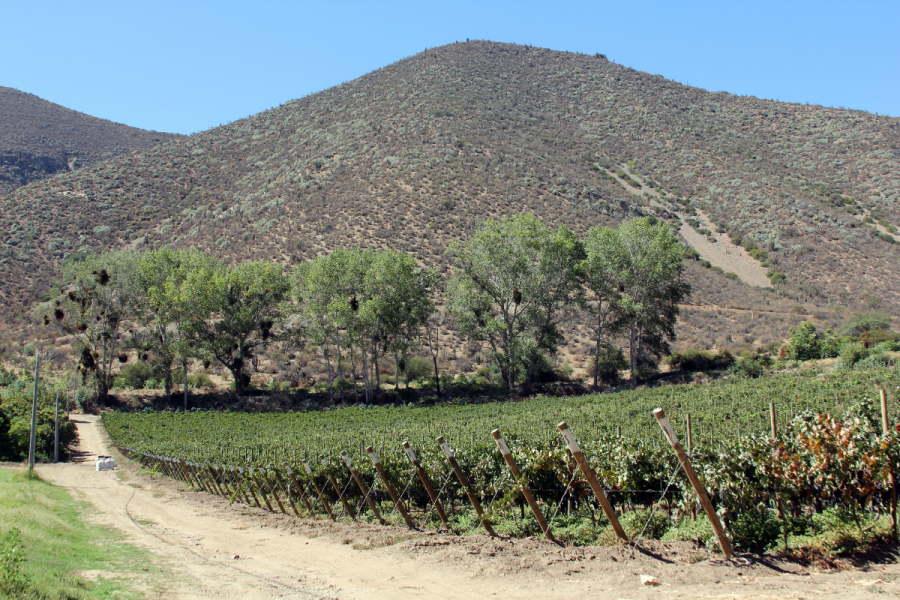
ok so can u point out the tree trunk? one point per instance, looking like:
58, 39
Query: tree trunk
632, 351
396, 370
353, 375
330, 375
437, 379
184, 379
406, 369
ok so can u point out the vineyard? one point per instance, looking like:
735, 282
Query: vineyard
831, 460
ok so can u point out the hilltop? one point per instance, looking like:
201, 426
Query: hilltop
39, 139
418, 153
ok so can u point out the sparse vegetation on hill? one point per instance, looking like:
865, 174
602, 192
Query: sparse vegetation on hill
416, 155
39, 139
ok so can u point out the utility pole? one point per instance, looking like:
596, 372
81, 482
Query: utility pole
34, 399
56, 432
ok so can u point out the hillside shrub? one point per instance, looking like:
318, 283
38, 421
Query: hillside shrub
134, 376
419, 368
612, 360
861, 323
804, 342
693, 360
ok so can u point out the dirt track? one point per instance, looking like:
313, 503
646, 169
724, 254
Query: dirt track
198, 537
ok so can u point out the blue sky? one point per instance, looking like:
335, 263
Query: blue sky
188, 66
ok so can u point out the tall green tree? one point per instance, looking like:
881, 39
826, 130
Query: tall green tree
235, 310
600, 273
399, 296
650, 287
331, 293
511, 280
163, 310
96, 299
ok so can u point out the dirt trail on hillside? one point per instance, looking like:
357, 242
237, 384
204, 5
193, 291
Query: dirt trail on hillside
219, 551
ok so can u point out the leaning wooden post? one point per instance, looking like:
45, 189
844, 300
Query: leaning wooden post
248, 484
523, 485
695, 481
301, 491
241, 485
321, 497
214, 478
423, 477
592, 479
279, 483
465, 483
362, 488
892, 478
337, 490
397, 502
772, 423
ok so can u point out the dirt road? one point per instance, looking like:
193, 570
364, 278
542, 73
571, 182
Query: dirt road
218, 551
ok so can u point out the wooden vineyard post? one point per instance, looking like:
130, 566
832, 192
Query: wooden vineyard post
892, 477
287, 491
248, 483
695, 481
423, 477
260, 488
321, 497
592, 480
274, 490
465, 483
523, 485
220, 478
300, 490
213, 478
772, 423
241, 486
187, 475
337, 490
362, 488
397, 501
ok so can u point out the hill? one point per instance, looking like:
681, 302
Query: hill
39, 139
418, 153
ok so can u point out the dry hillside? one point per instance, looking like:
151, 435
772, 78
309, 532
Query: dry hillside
39, 139
418, 153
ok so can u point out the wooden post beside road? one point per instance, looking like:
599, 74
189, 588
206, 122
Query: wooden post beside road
315, 485
362, 488
523, 485
465, 484
423, 477
397, 500
695, 481
592, 480
772, 423
337, 490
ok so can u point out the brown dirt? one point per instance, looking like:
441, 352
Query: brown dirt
219, 551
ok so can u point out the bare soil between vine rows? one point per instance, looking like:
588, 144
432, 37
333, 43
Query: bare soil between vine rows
216, 550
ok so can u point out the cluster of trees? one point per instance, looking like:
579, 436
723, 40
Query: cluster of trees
515, 276
513, 280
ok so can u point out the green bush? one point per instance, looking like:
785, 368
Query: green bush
888, 346
852, 353
134, 376
757, 529
750, 368
862, 323
612, 360
202, 380
804, 343
419, 368
692, 360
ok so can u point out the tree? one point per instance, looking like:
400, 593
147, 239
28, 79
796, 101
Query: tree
511, 280
648, 270
331, 292
399, 296
164, 311
96, 297
235, 310
600, 274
